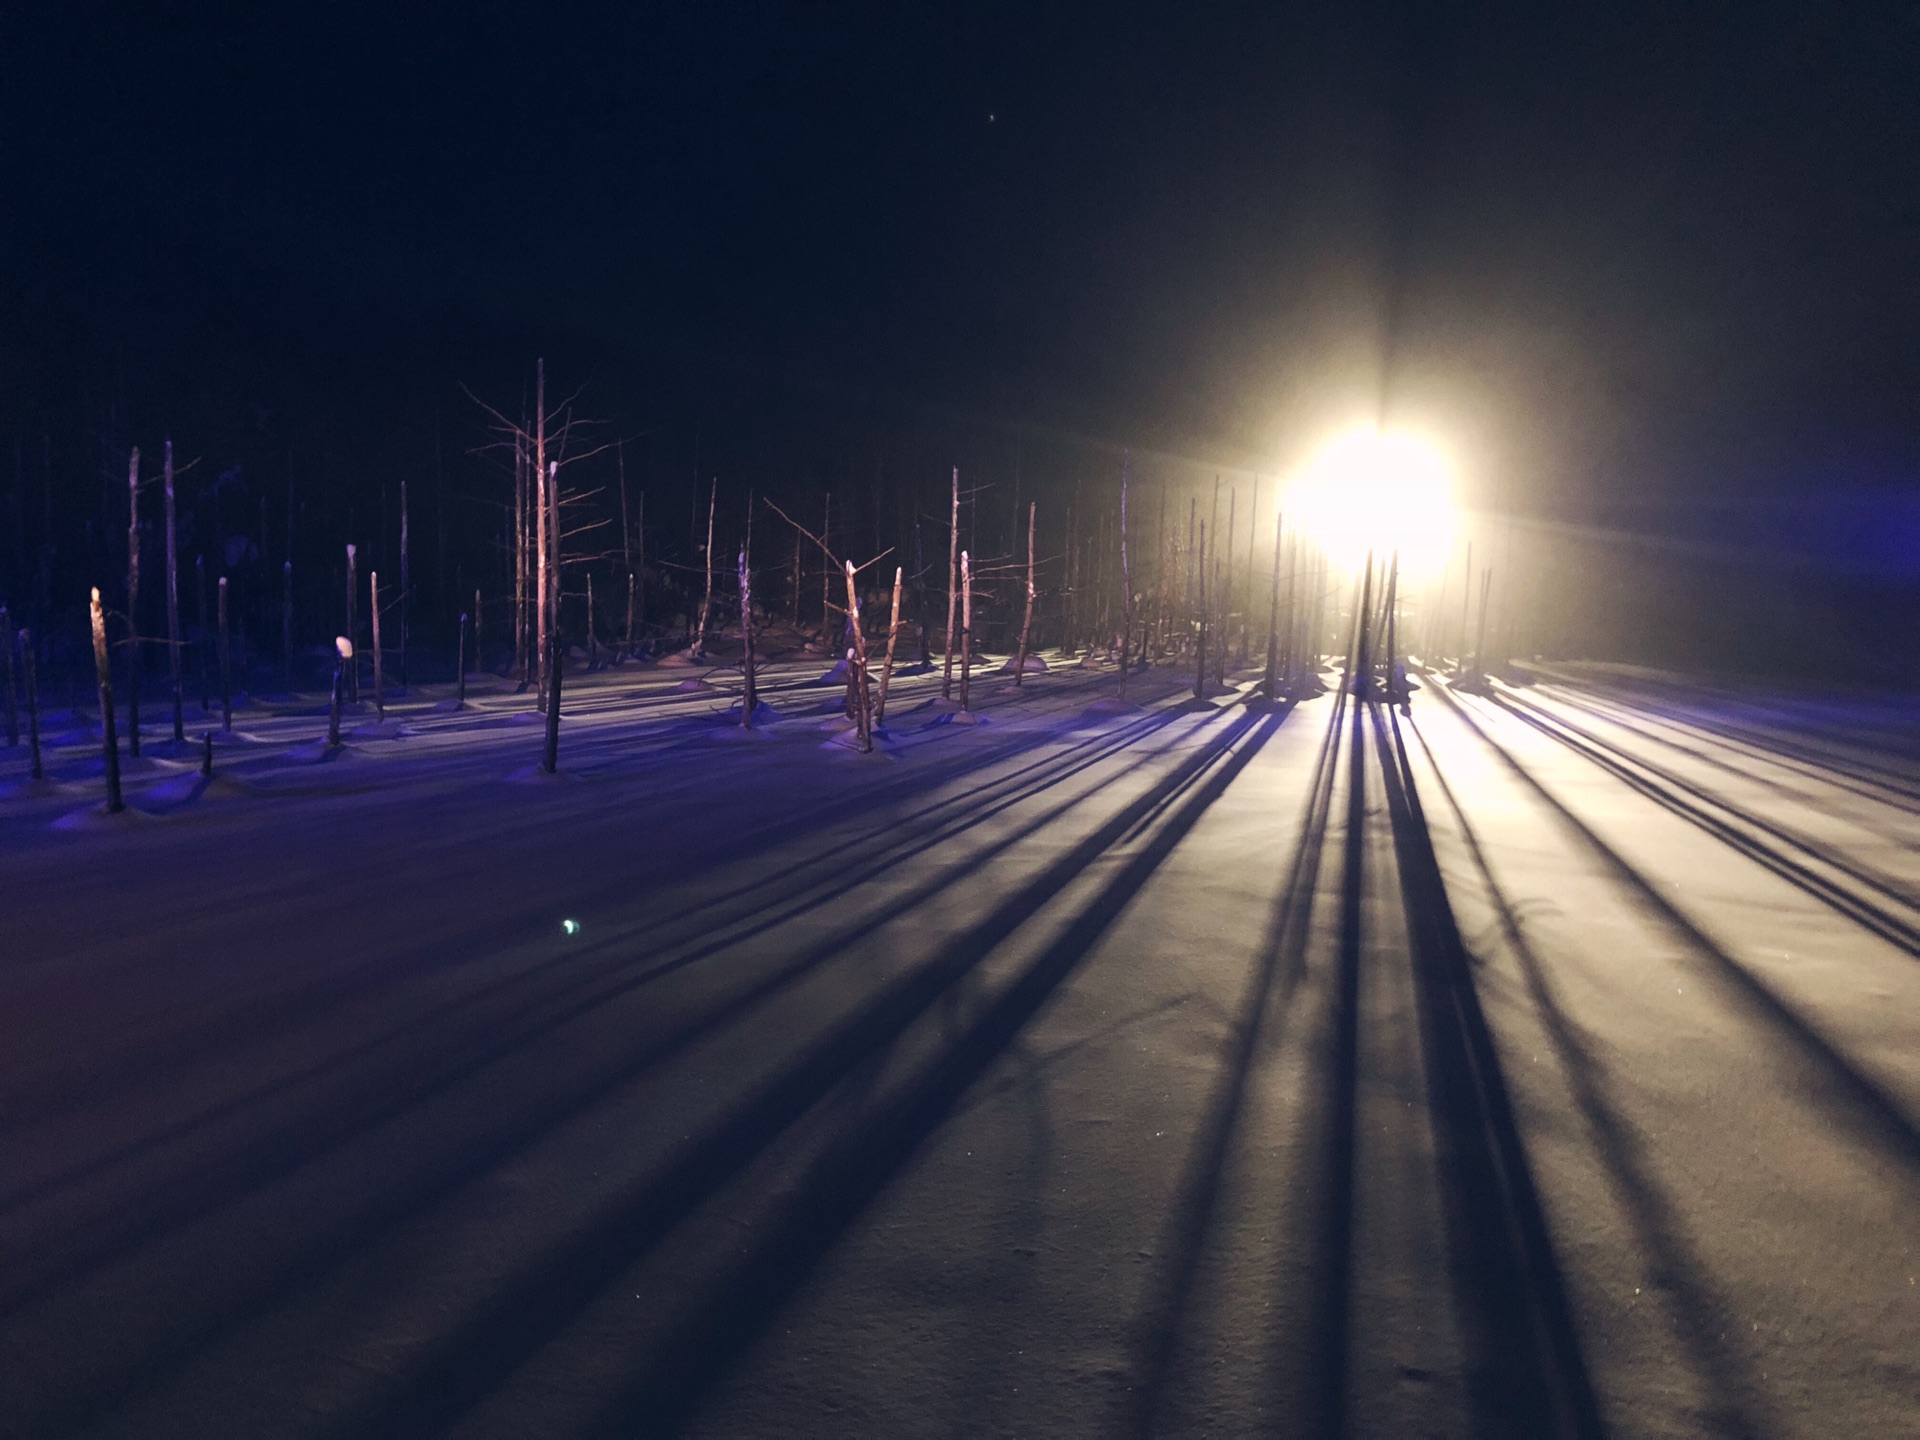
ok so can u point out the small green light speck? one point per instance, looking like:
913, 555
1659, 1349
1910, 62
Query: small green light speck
572, 927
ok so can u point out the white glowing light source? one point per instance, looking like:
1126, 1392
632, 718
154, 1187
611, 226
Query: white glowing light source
1378, 493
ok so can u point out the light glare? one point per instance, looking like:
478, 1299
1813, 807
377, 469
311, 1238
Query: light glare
1378, 493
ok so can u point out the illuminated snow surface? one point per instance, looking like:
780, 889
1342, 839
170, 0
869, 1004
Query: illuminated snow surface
1091, 1071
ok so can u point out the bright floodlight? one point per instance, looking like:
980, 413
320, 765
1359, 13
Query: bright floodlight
1377, 493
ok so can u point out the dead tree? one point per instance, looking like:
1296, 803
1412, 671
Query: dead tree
173, 601
953, 586
1271, 687
706, 600
592, 649
519, 563
1200, 639
826, 574
797, 567
1126, 584
353, 624
226, 661
479, 661
13, 704
893, 636
405, 586
460, 660
109, 741
1026, 619
550, 761
863, 716
342, 658
966, 631
133, 603
542, 621
749, 696
379, 679
33, 703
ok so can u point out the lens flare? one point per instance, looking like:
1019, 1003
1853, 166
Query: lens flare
1372, 492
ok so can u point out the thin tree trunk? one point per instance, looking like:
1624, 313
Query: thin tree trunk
226, 659
519, 560
379, 682
893, 636
592, 648
1026, 618
479, 662
405, 585
133, 603
353, 624
640, 570
550, 761
543, 623
863, 718
460, 661
13, 704
1126, 584
1272, 685
33, 703
826, 576
749, 695
953, 586
797, 557
1200, 667
966, 631
626, 549
342, 655
173, 604
109, 741
706, 601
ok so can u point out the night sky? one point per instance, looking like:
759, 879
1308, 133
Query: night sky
1609, 254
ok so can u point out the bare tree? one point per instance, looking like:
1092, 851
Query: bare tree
373, 601
1126, 581
706, 600
353, 627
109, 741
133, 602
966, 631
749, 696
893, 635
1026, 620
953, 586
173, 602
863, 717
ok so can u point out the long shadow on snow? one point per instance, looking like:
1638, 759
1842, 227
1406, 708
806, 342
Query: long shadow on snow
1765, 735
303, 1004
291, 1142
516, 995
1850, 1098
1675, 1270
1527, 1376
1280, 961
1648, 726
1690, 803
704, 1163
843, 1182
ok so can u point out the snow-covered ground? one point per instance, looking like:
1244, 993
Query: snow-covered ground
1539, 1064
